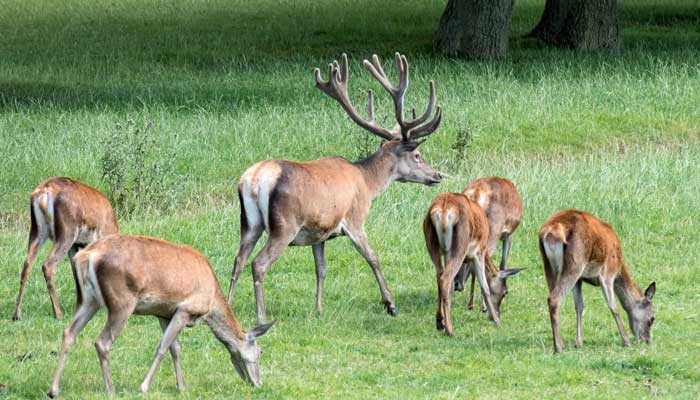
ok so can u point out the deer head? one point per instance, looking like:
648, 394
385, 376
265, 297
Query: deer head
245, 357
402, 140
641, 318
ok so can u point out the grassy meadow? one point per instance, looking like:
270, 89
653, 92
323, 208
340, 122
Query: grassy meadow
225, 84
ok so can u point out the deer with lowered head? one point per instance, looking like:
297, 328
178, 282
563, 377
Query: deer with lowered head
457, 236
577, 247
307, 203
501, 202
72, 215
139, 275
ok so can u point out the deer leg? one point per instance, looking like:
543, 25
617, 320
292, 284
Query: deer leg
174, 353
554, 302
578, 303
470, 304
82, 316
446, 281
461, 279
78, 292
320, 261
359, 239
269, 254
439, 314
249, 237
437, 262
37, 238
485, 289
59, 250
558, 290
607, 287
116, 320
177, 323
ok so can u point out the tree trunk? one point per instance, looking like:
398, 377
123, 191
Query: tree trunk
475, 28
580, 24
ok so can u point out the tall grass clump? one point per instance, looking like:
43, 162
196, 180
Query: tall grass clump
139, 176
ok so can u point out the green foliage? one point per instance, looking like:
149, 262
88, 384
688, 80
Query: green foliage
139, 176
227, 83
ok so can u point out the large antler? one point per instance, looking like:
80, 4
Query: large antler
337, 88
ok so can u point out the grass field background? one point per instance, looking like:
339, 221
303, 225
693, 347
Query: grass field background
229, 83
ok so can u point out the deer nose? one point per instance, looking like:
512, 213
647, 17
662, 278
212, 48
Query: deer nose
438, 176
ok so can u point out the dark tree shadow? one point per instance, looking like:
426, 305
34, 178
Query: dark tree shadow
214, 56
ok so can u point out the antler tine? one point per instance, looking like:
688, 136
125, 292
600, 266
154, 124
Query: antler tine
337, 87
370, 106
396, 92
344, 69
428, 128
378, 73
429, 110
378, 65
402, 64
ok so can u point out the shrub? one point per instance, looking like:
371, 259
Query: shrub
139, 176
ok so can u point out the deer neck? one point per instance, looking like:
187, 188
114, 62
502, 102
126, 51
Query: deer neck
379, 170
224, 325
627, 290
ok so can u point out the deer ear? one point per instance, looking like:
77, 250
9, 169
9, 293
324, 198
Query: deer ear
651, 291
509, 272
258, 331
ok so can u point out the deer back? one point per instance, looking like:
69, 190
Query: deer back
500, 200
317, 194
74, 204
588, 242
157, 275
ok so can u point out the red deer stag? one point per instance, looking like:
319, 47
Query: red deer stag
577, 247
307, 203
457, 233
72, 215
140, 275
504, 210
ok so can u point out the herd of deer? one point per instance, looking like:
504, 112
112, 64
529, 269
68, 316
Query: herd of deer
308, 203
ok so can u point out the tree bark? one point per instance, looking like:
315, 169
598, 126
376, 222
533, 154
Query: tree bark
580, 24
475, 28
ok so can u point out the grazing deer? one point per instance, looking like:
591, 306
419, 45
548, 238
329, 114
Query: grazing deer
140, 275
457, 233
504, 210
307, 203
72, 215
577, 247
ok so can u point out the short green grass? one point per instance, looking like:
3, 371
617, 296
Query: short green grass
613, 133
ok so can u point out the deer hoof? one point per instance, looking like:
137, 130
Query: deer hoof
439, 325
52, 394
391, 309
15, 317
459, 286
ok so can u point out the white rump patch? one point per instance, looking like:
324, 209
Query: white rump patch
252, 212
41, 224
92, 288
554, 252
444, 228
266, 184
